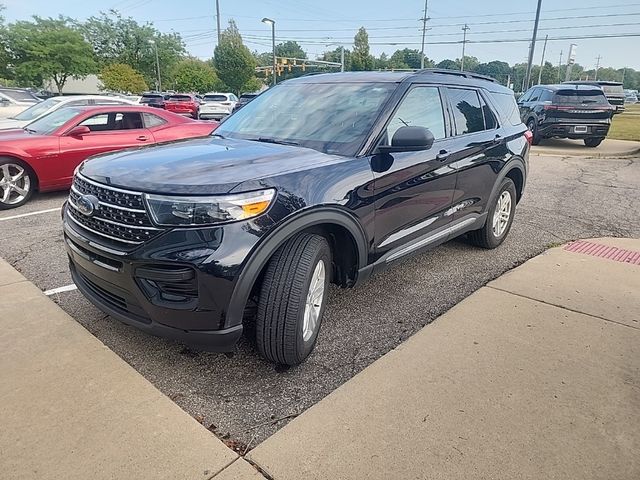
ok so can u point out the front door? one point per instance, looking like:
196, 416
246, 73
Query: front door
413, 190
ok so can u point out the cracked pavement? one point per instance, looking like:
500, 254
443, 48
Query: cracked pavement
246, 399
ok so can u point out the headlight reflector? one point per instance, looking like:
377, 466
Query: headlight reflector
178, 211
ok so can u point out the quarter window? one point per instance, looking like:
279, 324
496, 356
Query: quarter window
490, 121
467, 111
421, 107
151, 120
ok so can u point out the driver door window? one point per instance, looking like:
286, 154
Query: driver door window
421, 107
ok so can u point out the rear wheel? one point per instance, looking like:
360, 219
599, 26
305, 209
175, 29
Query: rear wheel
531, 125
17, 183
593, 141
500, 218
292, 299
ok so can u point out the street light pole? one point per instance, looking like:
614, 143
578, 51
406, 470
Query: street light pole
424, 31
218, 19
273, 44
544, 49
533, 45
464, 43
159, 80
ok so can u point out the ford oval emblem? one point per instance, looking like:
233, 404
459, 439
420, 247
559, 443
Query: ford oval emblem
87, 205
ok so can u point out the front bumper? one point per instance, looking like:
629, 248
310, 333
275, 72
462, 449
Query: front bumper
117, 283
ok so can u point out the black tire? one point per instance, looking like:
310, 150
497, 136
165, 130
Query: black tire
531, 125
29, 183
486, 236
283, 297
593, 142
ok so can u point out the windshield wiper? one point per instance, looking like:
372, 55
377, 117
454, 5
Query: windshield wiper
274, 140
218, 135
30, 130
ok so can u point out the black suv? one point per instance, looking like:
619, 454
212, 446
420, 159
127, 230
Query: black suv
566, 111
612, 90
323, 178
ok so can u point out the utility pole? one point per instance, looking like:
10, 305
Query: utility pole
424, 31
159, 79
571, 58
624, 69
598, 58
544, 49
464, 43
342, 58
218, 18
533, 44
559, 65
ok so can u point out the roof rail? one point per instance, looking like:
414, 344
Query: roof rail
458, 73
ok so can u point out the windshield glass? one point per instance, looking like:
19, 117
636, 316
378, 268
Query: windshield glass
51, 122
329, 117
580, 96
38, 109
613, 89
20, 95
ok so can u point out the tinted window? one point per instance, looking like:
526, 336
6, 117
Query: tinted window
421, 107
507, 107
490, 121
613, 89
535, 95
215, 98
577, 97
248, 96
546, 95
151, 120
466, 110
113, 121
180, 98
331, 118
77, 103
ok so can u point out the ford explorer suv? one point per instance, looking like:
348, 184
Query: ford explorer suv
566, 111
612, 90
322, 178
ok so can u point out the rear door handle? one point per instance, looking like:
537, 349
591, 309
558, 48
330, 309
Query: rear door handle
142, 138
497, 139
442, 155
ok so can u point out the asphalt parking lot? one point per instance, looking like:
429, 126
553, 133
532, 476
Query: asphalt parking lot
246, 399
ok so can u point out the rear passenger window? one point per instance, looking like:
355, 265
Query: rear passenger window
151, 120
467, 111
507, 107
421, 107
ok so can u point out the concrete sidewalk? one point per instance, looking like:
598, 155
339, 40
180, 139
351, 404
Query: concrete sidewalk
566, 147
535, 376
72, 409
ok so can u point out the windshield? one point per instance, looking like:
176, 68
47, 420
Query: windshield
329, 117
215, 98
47, 124
613, 89
20, 95
38, 109
573, 97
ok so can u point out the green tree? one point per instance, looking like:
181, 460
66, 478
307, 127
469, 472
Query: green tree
4, 53
290, 49
119, 77
234, 62
118, 39
495, 69
193, 75
49, 49
449, 64
361, 59
405, 58
336, 55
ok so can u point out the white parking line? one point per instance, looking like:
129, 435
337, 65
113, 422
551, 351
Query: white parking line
31, 213
66, 288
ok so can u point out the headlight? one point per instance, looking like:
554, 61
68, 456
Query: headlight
176, 211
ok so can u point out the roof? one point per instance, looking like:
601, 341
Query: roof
120, 108
90, 97
451, 77
568, 86
592, 82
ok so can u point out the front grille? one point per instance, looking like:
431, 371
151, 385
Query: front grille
120, 218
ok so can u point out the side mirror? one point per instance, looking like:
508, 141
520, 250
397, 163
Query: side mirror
79, 131
409, 139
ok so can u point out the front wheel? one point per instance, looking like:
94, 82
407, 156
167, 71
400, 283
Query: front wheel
531, 125
500, 218
17, 183
593, 141
292, 299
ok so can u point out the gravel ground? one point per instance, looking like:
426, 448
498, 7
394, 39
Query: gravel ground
246, 399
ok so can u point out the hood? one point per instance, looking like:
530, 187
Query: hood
16, 134
6, 123
202, 166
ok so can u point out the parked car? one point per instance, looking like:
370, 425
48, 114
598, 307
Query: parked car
244, 99
43, 155
52, 104
15, 100
183, 104
217, 105
324, 178
154, 99
566, 111
630, 97
612, 90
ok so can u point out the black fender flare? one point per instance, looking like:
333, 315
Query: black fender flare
261, 254
515, 163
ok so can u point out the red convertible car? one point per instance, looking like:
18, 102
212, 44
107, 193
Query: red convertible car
43, 155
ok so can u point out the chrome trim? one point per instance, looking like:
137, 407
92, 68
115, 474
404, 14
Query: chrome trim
126, 225
69, 231
88, 258
105, 266
107, 187
430, 239
408, 231
111, 205
100, 234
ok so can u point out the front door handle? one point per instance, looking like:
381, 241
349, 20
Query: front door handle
142, 138
442, 155
497, 139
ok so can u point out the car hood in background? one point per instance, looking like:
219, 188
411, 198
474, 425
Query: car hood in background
6, 123
201, 166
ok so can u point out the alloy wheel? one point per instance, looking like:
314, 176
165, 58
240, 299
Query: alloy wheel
15, 183
313, 305
502, 214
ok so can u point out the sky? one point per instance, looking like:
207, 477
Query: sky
317, 24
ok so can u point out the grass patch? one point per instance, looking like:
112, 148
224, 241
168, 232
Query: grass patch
626, 126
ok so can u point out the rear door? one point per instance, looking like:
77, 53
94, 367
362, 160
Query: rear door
413, 190
478, 152
109, 131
